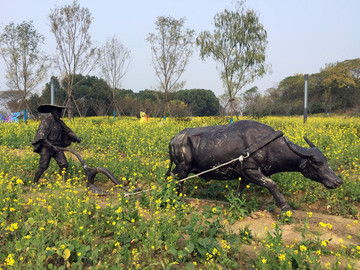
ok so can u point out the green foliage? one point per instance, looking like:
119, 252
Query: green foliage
150, 95
336, 88
202, 102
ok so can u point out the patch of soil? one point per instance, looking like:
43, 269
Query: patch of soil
343, 230
338, 230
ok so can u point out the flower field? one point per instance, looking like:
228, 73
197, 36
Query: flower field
60, 225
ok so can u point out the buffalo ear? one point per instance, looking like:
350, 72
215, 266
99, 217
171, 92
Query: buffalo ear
309, 142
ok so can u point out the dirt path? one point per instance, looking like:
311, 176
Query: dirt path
340, 230
337, 230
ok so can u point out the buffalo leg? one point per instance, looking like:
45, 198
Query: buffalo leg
181, 171
256, 177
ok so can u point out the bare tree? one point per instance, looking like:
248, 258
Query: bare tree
10, 100
70, 25
171, 48
115, 59
26, 65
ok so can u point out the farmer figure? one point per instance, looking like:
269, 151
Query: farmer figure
52, 133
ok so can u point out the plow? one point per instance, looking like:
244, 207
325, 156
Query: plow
92, 172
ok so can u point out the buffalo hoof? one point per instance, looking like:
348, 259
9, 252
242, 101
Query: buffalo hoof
95, 190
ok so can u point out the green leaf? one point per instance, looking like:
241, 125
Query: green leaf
173, 251
30, 221
190, 247
204, 242
189, 266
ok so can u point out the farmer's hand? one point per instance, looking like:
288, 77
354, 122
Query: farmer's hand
50, 146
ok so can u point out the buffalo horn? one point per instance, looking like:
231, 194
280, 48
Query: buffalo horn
309, 142
301, 151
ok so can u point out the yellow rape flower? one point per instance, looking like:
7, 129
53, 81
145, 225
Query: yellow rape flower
325, 225
19, 182
10, 260
12, 227
282, 257
66, 254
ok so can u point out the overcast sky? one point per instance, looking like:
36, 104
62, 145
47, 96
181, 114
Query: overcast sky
303, 35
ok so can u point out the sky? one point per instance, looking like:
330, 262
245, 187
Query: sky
303, 35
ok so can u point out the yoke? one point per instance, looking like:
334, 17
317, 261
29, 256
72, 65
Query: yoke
264, 141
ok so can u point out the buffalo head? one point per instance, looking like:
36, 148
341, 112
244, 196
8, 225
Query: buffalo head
315, 165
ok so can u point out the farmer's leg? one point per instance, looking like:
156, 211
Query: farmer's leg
44, 161
61, 161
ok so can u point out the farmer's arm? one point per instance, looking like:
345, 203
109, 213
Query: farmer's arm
70, 133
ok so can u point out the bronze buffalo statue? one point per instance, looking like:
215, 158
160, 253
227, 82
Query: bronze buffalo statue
262, 152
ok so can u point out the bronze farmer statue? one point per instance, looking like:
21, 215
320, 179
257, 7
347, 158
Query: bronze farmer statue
52, 133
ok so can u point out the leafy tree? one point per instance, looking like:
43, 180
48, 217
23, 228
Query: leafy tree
202, 102
60, 92
126, 101
250, 101
341, 85
26, 65
92, 94
150, 101
336, 88
149, 94
238, 43
121, 93
70, 25
179, 108
171, 47
114, 61
45, 96
291, 97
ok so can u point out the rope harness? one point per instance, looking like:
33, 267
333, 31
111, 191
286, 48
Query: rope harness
244, 155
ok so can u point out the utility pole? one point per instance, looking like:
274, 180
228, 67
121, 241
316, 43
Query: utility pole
52, 91
305, 96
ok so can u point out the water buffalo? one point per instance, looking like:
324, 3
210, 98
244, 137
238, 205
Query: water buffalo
194, 150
